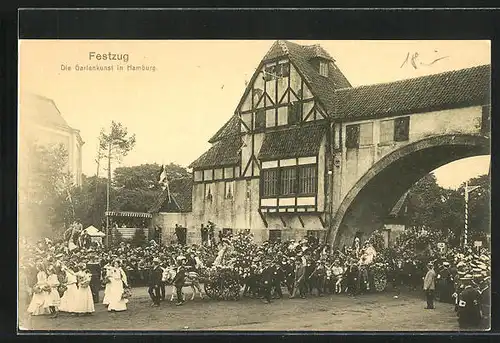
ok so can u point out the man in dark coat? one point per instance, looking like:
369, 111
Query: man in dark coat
266, 279
180, 278
204, 234
469, 305
155, 279
95, 281
445, 283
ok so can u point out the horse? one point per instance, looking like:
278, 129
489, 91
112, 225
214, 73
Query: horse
191, 280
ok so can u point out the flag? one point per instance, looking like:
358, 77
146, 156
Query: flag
163, 181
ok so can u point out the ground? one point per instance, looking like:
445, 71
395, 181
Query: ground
370, 312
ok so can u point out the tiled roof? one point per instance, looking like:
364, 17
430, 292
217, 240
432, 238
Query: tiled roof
469, 86
231, 127
181, 197
224, 152
302, 57
300, 141
42, 110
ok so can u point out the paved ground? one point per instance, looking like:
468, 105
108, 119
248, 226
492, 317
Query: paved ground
372, 312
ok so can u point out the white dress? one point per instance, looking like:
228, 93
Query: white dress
118, 279
105, 300
69, 298
53, 298
84, 302
36, 307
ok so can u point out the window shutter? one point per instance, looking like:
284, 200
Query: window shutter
294, 113
352, 136
260, 119
401, 129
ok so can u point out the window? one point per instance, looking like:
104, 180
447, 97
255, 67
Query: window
270, 73
288, 181
208, 191
352, 136
386, 131
270, 118
283, 70
228, 173
208, 174
198, 175
294, 113
257, 93
401, 129
270, 182
260, 119
274, 236
229, 190
366, 134
323, 68
307, 179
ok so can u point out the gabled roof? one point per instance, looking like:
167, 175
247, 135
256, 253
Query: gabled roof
231, 127
224, 152
180, 197
41, 110
470, 86
299, 141
302, 57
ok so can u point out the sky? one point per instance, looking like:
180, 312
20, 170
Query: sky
196, 85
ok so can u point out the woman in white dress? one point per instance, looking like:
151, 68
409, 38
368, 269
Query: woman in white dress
107, 280
53, 300
118, 282
69, 298
40, 294
85, 301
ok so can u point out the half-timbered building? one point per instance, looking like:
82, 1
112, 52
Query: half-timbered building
267, 168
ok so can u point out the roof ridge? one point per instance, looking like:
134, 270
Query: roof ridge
450, 72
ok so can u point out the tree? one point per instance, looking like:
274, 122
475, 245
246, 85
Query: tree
45, 202
435, 208
115, 144
139, 238
137, 187
90, 201
479, 211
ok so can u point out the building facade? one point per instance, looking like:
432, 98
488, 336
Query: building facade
305, 150
41, 122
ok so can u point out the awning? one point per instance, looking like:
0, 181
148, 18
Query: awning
299, 141
128, 214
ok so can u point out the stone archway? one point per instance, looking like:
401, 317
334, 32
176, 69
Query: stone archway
371, 198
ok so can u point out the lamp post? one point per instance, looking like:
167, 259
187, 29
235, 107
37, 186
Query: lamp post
467, 190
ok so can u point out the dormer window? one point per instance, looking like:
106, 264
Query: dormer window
323, 68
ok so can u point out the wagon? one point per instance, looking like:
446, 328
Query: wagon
222, 283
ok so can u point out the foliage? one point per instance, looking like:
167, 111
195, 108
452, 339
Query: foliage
437, 209
45, 203
115, 144
139, 238
137, 187
117, 237
377, 240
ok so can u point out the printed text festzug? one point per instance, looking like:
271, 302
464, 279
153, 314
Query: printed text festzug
108, 57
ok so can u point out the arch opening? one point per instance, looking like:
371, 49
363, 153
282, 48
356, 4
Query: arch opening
370, 200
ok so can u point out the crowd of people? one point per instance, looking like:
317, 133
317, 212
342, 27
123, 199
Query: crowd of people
67, 275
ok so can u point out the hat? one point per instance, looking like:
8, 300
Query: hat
446, 263
156, 260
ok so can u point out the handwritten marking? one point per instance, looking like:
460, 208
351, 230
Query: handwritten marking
414, 60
